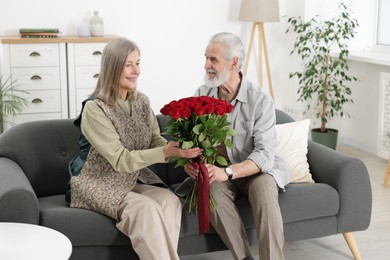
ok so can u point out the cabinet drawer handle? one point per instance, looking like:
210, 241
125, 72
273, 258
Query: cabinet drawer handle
97, 53
96, 75
36, 77
36, 101
35, 54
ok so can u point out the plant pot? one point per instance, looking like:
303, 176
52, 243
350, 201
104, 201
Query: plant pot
327, 138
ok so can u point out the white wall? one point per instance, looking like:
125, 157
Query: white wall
172, 35
362, 130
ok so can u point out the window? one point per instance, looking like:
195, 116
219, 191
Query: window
383, 32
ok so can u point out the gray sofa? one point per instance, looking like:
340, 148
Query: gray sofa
34, 158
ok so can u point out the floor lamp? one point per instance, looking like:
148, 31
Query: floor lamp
258, 12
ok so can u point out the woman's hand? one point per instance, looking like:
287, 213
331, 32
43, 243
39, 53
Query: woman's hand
172, 149
191, 170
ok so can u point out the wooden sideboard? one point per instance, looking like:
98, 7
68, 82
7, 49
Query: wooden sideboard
58, 73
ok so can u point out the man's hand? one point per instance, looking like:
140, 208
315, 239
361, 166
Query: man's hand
215, 173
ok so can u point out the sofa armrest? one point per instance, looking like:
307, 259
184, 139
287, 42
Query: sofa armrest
18, 202
349, 176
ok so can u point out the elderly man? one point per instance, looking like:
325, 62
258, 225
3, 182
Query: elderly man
255, 170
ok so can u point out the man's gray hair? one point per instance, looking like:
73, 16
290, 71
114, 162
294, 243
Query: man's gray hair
233, 45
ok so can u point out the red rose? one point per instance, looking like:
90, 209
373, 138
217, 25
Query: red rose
173, 103
198, 102
199, 110
209, 108
229, 108
175, 113
185, 112
220, 110
204, 99
165, 110
185, 103
179, 106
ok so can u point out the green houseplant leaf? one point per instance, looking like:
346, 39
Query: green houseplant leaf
11, 103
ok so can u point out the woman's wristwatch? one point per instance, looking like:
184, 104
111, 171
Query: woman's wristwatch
229, 173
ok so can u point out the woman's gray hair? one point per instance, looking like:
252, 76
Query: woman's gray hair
233, 45
113, 60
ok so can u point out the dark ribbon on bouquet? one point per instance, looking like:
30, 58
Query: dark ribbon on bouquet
203, 196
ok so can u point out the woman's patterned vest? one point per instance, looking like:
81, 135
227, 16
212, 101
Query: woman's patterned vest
99, 187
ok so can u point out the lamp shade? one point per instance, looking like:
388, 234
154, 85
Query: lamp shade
259, 10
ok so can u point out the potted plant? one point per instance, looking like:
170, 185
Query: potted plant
10, 102
325, 75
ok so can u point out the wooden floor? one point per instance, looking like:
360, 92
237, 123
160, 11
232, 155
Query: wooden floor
373, 243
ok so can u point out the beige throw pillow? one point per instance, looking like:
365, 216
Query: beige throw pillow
292, 141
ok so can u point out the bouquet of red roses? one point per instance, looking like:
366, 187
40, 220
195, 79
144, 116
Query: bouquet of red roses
200, 122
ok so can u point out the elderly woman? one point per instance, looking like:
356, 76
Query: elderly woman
119, 138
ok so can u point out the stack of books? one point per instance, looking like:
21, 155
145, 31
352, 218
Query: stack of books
39, 32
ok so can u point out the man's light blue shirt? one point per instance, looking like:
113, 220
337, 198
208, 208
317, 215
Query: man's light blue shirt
254, 119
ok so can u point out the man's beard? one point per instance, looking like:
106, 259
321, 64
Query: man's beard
219, 78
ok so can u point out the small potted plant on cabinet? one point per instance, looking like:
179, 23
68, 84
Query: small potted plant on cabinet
10, 102
325, 76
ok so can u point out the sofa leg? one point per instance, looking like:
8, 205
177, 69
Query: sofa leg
350, 239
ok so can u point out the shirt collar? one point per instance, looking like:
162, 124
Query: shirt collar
214, 92
242, 94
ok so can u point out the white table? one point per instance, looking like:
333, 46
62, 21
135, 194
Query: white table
20, 241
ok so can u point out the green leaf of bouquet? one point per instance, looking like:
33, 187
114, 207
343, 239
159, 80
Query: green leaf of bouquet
221, 161
231, 132
216, 143
171, 129
218, 134
201, 137
210, 160
197, 129
168, 129
204, 120
208, 152
187, 144
206, 143
181, 162
228, 143
211, 119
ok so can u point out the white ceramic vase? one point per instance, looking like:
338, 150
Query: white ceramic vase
96, 24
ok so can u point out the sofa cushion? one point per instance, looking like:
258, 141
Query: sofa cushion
302, 201
82, 227
175, 174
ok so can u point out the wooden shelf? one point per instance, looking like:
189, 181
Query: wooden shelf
59, 39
